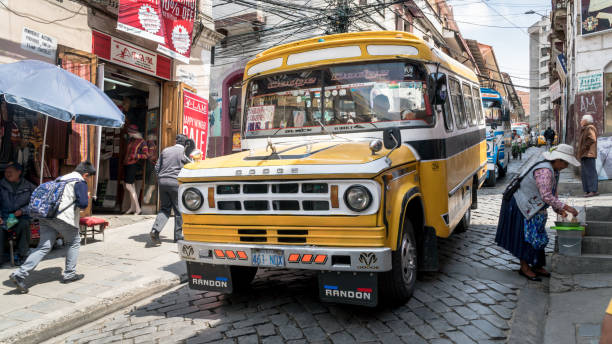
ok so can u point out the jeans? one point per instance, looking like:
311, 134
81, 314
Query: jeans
49, 229
168, 195
22, 229
588, 172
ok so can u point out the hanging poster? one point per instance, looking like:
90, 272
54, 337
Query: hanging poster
260, 117
195, 120
177, 19
596, 16
141, 18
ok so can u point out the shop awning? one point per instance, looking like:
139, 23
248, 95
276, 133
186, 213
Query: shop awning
55, 92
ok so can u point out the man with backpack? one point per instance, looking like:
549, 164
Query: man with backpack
57, 204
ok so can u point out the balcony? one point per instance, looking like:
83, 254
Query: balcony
243, 23
559, 16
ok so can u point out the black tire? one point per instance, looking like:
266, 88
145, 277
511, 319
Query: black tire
502, 171
242, 276
491, 179
397, 285
474, 194
464, 224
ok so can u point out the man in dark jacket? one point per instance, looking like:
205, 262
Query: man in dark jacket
15, 195
549, 135
168, 166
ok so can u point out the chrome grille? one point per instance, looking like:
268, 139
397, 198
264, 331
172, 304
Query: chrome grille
312, 197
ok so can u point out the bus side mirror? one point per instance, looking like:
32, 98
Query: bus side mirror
392, 138
233, 107
189, 146
438, 92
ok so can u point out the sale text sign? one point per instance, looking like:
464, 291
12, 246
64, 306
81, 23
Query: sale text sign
195, 120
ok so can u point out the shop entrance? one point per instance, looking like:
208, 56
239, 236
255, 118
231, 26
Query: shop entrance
130, 153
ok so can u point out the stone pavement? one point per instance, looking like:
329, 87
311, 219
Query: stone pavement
118, 272
470, 300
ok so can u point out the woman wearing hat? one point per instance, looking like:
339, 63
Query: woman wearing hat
522, 221
136, 150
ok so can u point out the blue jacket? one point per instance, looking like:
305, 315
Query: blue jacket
15, 198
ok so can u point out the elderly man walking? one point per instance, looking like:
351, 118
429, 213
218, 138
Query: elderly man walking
587, 153
168, 166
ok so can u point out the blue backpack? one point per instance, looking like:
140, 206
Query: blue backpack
46, 199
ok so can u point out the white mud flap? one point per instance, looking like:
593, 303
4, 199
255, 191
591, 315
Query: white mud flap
357, 288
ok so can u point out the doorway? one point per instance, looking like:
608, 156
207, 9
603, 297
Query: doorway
138, 96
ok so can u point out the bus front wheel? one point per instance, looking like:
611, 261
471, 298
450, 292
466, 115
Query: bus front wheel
242, 276
398, 284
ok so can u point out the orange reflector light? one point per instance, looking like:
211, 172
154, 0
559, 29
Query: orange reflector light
306, 258
294, 258
242, 255
334, 197
230, 254
211, 197
219, 254
321, 259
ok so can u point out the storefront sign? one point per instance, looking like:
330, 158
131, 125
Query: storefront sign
554, 90
195, 120
561, 67
131, 56
38, 43
141, 18
590, 82
177, 17
596, 16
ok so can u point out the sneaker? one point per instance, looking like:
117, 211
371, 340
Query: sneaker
19, 283
74, 278
155, 237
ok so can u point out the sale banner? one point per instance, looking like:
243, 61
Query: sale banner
142, 18
177, 18
195, 120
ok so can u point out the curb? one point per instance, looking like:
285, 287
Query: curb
529, 316
86, 312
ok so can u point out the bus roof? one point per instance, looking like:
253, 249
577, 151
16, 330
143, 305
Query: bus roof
351, 47
489, 93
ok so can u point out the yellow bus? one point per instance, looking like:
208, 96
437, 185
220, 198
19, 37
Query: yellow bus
359, 150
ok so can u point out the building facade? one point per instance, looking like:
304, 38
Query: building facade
148, 86
583, 41
539, 56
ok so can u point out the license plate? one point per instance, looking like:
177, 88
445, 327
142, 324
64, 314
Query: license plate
267, 258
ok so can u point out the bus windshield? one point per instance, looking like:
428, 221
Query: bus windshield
492, 111
342, 98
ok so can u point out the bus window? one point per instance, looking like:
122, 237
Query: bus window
478, 105
447, 113
469, 105
383, 94
456, 98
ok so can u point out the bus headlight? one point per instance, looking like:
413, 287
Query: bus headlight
358, 198
192, 199
489, 146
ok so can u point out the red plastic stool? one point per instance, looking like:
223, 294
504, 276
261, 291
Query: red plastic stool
91, 222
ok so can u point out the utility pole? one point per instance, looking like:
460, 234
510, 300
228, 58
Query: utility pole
340, 19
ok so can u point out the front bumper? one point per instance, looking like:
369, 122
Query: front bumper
363, 259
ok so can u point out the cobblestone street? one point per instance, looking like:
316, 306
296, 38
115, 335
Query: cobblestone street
471, 300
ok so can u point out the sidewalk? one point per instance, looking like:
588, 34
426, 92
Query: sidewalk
119, 271
576, 307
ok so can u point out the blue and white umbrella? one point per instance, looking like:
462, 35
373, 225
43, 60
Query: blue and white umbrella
55, 92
